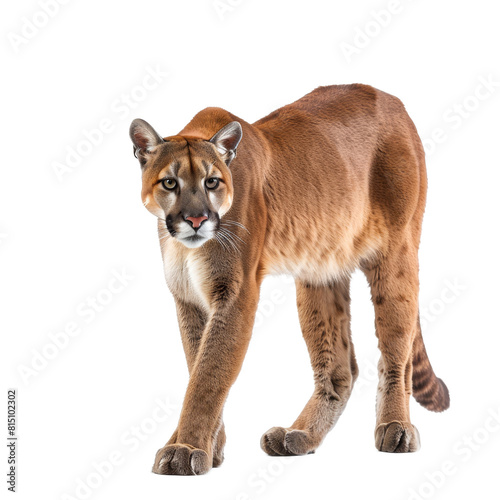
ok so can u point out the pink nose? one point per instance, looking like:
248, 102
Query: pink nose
196, 221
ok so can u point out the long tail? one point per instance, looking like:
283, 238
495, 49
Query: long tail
430, 391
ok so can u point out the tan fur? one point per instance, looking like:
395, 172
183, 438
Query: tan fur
330, 183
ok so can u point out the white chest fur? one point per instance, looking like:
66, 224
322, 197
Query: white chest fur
185, 273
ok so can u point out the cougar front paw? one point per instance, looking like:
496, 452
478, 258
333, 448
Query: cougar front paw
397, 437
286, 442
181, 460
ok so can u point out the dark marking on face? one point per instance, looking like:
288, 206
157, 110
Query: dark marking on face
190, 160
206, 166
169, 224
175, 168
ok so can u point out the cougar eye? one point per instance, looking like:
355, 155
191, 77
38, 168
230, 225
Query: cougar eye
212, 183
169, 184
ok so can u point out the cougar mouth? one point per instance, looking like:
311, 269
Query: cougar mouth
193, 241
193, 238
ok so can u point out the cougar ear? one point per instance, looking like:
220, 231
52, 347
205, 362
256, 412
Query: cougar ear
226, 140
144, 137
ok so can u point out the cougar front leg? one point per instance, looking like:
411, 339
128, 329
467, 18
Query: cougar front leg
324, 313
221, 351
394, 286
192, 322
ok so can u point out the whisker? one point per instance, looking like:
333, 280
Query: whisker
228, 240
232, 223
232, 235
228, 237
235, 223
222, 244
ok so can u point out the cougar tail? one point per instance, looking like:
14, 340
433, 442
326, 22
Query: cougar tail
429, 390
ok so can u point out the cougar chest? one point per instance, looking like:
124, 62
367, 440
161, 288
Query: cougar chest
185, 274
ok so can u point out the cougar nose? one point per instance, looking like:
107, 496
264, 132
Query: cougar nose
196, 222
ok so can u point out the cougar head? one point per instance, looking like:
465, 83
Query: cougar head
186, 181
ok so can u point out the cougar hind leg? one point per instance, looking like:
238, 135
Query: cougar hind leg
324, 313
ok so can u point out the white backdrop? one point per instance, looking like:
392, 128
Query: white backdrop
89, 333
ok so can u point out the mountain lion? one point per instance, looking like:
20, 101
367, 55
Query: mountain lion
332, 182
